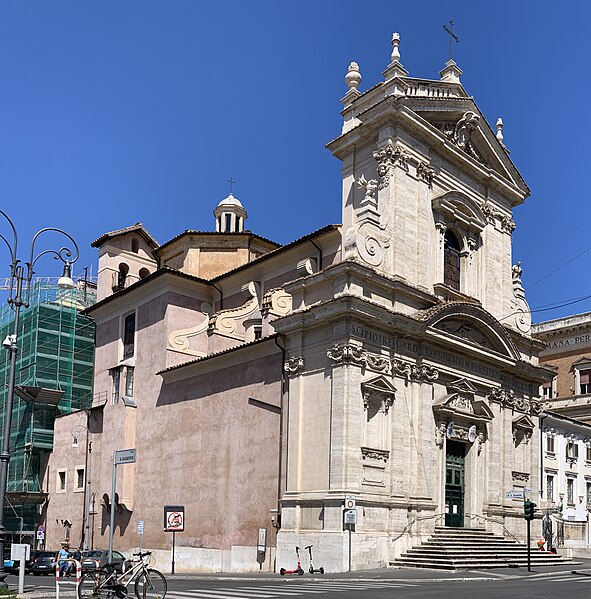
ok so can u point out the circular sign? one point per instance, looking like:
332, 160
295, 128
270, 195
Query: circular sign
175, 521
350, 503
472, 433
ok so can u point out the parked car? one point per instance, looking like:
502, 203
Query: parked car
10, 566
97, 558
43, 563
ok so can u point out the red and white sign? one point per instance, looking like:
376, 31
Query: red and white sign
174, 518
350, 502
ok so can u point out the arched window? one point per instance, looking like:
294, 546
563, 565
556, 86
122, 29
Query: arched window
123, 270
135, 245
451, 261
144, 272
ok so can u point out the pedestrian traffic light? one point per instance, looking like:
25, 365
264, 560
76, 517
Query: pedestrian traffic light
529, 508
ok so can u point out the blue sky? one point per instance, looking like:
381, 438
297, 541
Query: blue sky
115, 112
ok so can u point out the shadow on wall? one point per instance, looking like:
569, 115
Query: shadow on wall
122, 518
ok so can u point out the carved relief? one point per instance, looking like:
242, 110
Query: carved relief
490, 212
379, 455
521, 312
370, 187
371, 244
412, 372
507, 398
520, 476
294, 366
508, 225
388, 158
464, 129
276, 302
180, 340
426, 173
440, 434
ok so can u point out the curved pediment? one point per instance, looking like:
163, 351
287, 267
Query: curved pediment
457, 207
472, 324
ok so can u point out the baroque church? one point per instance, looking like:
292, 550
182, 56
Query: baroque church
387, 359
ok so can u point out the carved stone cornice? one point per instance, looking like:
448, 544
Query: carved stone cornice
508, 399
381, 455
388, 157
353, 354
294, 365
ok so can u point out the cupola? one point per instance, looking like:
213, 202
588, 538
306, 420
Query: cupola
230, 215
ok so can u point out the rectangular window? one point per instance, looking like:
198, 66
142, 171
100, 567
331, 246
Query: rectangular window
570, 491
549, 487
547, 390
588, 493
228, 228
258, 332
79, 479
572, 451
61, 481
549, 444
585, 381
129, 336
129, 382
116, 374
588, 452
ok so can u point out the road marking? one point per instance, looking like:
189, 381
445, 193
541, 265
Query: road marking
217, 594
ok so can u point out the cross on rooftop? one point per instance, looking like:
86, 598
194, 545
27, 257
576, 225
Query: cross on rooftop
452, 36
231, 182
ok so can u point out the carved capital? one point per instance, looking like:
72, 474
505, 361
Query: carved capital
490, 212
410, 372
294, 366
508, 225
426, 173
388, 157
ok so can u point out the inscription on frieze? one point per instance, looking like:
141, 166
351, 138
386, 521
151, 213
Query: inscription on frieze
411, 348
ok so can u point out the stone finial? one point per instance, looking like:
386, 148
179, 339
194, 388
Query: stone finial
395, 68
395, 57
500, 129
353, 76
451, 72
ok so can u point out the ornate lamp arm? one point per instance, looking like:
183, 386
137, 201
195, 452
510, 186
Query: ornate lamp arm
58, 254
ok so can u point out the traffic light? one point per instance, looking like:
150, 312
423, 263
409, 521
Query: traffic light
529, 508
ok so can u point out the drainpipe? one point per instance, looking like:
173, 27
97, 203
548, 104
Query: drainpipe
542, 418
221, 295
280, 466
319, 254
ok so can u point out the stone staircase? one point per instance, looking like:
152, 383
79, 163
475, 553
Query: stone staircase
473, 549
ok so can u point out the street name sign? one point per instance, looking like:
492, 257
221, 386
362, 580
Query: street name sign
124, 456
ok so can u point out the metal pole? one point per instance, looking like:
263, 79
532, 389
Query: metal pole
528, 547
173, 544
350, 527
87, 498
112, 523
5, 454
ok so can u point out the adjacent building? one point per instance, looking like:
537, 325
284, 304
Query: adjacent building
388, 358
54, 375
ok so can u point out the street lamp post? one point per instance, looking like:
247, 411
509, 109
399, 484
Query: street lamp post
20, 283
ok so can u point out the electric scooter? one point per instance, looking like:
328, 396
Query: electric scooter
313, 570
299, 570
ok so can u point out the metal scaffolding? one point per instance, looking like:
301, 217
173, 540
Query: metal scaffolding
53, 377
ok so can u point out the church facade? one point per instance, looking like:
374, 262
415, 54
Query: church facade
387, 359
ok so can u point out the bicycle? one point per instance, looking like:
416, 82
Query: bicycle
105, 583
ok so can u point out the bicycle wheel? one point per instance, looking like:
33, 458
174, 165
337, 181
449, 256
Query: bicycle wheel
151, 584
91, 586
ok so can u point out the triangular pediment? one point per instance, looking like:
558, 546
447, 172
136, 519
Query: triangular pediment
524, 423
461, 386
466, 128
460, 405
379, 385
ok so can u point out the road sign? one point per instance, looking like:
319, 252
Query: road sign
40, 534
350, 502
124, 456
514, 494
351, 517
140, 527
174, 518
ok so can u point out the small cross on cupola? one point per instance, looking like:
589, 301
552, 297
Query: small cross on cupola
230, 214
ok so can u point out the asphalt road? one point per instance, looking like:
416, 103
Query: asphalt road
390, 584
